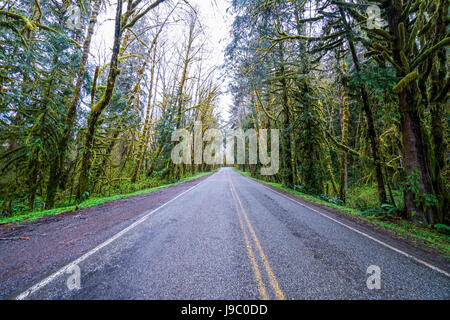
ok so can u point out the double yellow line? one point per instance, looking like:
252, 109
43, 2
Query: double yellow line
273, 280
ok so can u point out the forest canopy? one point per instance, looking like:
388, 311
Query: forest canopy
76, 121
360, 92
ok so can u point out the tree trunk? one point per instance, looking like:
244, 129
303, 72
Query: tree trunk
439, 128
97, 108
414, 157
287, 173
369, 117
56, 169
147, 120
83, 184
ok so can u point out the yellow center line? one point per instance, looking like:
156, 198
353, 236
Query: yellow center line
271, 275
251, 255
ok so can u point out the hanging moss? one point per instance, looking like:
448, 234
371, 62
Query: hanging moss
401, 35
404, 60
427, 53
410, 77
383, 34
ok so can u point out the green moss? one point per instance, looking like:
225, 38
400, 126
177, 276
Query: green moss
402, 84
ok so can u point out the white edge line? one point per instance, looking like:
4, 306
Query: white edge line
358, 231
61, 271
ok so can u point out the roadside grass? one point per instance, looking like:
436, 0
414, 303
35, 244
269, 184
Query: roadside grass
425, 238
93, 201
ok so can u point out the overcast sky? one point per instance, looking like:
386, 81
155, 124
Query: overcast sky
215, 21
218, 23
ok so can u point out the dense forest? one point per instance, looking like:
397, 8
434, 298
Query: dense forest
76, 121
358, 91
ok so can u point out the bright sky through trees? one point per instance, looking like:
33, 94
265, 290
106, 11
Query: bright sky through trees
216, 23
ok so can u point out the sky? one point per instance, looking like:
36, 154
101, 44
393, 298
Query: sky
216, 23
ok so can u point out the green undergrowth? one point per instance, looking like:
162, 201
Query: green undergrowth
436, 237
92, 202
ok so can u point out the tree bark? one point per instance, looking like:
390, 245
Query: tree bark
414, 157
287, 173
369, 117
56, 169
97, 108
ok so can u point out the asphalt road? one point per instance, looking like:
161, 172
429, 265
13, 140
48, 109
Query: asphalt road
230, 237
